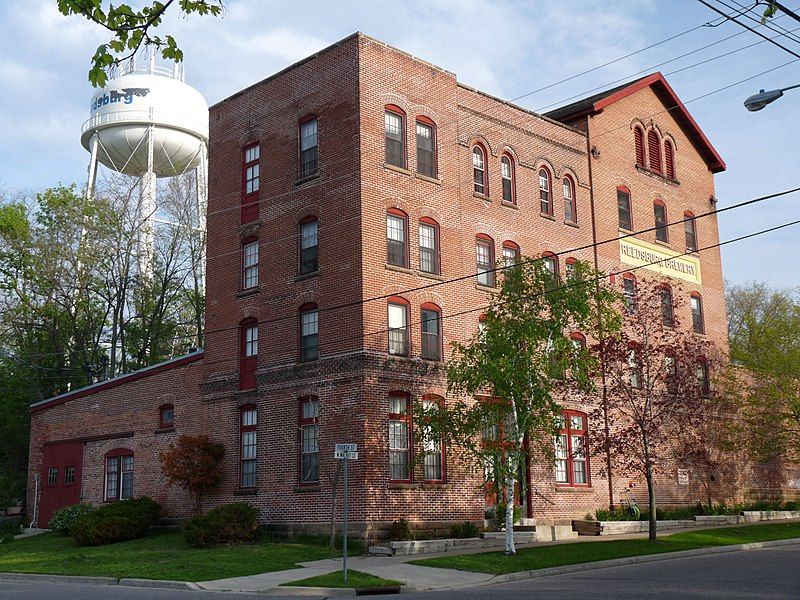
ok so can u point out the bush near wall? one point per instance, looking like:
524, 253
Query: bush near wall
64, 519
117, 522
229, 524
688, 512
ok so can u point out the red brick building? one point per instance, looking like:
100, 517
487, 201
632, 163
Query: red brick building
345, 192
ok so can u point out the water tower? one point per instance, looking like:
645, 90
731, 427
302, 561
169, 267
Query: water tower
148, 123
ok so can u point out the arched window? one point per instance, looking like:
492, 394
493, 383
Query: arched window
480, 184
638, 138
250, 263
690, 231
308, 146
248, 353
251, 182
507, 175
309, 440
545, 192
166, 416
119, 474
667, 306
660, 215
309, 332
550, 262
397, 238
703, 380
400, 437
654, 150
570, 207
429, 256
248, 447
569, 265
571, 446
629, 292
398, 326
426, 147
698, 323
669, 159
484, 260
624, 213
309, 245
671, 374
433, 464
394, 126
431, 322
511, 254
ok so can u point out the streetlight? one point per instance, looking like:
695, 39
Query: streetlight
762, 98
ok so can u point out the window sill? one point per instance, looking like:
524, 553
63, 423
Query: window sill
431, 275
547, 216
306, 179
306, 489
248, 292
246, 492
435, 180
647, 171
399, 269
627, 232
578, 489
396, 169
249, 227
664, 244
253, 391
164, 430
481, 196
572, 224
435, 485
486, 288
399, 485
508, 204
305, 276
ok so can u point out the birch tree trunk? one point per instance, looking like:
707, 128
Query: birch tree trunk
510, 481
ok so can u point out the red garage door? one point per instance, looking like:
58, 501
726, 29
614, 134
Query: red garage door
61, 478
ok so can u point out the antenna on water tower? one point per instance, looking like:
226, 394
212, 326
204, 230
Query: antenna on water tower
148, 123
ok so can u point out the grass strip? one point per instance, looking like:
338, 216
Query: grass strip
159, 555
556, 555
355, 579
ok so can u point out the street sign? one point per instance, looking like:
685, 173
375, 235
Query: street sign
348, 455
346, 447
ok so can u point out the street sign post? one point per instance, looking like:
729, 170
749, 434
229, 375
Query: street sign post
345, 452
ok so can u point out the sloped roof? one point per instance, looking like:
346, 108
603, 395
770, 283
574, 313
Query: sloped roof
596, 103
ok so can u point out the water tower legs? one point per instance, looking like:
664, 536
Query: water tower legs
147, 209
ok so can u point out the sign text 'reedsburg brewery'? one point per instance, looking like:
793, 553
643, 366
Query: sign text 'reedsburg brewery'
113, 96
642, 254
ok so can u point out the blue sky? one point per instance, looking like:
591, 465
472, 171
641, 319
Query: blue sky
505, 48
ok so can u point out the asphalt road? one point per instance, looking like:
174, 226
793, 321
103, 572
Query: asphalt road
771, 574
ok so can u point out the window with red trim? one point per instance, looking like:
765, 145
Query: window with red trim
309, 245
309, 440
690, 231
550, 262
309, 332
433, 465
426, 147
484, 260
166, 416
654, 151
507, 175
578, 341
394, 126
571, 443
698, 324
638, 138
251, 182
480, 185
624, 212
511, 254
569, 266
397, 238
669, 159
634, 369
119, 474
570, 206
431, 323
69, 475
248, 358
667, 307
400, 437
398, 326
671, 375
429, 255
309, 149
248, 446
629, 292
545, 192
250, 263
703, 380
660, 215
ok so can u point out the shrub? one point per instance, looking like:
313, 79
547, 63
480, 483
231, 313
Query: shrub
400, 530
195, 464
65, 518
8, 529
466, 529
232, 523
500, 515
117, 522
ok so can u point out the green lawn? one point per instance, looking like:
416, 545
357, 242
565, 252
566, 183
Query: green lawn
541, 557
157, 556
355, 579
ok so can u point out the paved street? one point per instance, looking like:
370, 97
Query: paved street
770, 574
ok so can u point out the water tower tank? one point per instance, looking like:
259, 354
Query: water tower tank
129, 104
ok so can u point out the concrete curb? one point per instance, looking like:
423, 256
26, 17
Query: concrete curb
164, 584
322, 591
632, 560
128, 582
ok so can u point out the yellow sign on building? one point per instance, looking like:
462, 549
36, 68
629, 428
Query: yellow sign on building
666, 262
